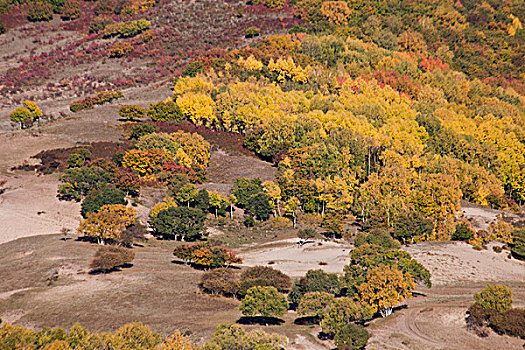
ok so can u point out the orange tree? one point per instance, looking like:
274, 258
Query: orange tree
204, 254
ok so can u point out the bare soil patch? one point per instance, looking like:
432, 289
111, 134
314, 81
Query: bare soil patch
29, 207
295, 260
457, 262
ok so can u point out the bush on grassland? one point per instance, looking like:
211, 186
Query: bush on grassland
108, 258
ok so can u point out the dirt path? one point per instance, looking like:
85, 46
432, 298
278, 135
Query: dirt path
434, 322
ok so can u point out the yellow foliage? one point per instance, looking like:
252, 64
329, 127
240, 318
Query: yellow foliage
198, 107
167, 202
337, 12
146, 161
385, 287
192, 84
194, 151
177, 342
108, 223
513, 27
288, 70
501, 230
250, 64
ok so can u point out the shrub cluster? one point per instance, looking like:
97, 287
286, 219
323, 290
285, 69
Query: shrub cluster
226, 282
70, 10
252, 32
203, 254
493, 308
130, 336
139, 130
120, 49
40, 11
517, 247
99, 99
167, 111
105, 7
99, 23
126, 29
131, 112
268, 3
109, 258
264, 276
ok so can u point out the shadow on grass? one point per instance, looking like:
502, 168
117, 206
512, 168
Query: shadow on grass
307, 320
106, 271
260, 320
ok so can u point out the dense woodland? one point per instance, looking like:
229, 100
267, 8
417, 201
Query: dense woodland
379, 116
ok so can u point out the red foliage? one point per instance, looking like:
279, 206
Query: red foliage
173, 169
430, 64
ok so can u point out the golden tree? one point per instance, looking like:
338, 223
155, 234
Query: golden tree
337, 12
108, 223
385, 287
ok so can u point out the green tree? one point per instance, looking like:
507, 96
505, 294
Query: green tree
351, 336
343, 312
410, 224
463, 232
78, 181
496, 297
378, 237
179, 222
244, 189
97, 198
139, 130
264, 276
259, 206
165, 111
292, 208
185, 194
316, 304
215, 201
202, 200
517, 247
314, 281
263, 301
369, 256
230, 201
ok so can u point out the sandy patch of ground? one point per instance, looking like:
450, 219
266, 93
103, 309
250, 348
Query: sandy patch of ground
456, 262
481, 217
29, 207
296, 260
